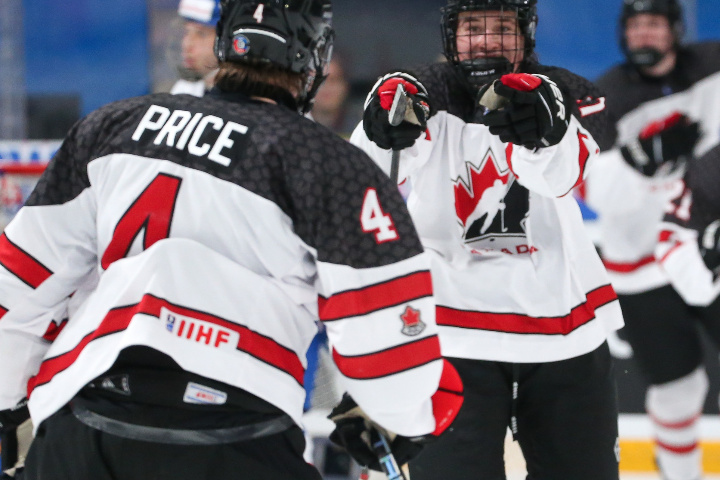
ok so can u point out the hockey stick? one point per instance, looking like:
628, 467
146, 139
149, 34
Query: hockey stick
491, 101
389, 465
395, 117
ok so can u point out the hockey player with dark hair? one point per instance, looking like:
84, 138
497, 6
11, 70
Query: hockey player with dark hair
492, 144
161, 285
199, 63
664, 101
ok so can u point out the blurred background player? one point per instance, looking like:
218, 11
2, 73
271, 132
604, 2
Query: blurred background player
689, 237
199, 63
331, 106
524, 303
181, 352
665, 103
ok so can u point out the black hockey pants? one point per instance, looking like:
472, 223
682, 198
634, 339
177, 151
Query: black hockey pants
66, 449
565, 414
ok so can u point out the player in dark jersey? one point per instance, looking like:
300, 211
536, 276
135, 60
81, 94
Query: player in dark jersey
494, 144
162, 284
664, 102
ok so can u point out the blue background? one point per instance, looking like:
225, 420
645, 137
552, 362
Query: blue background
100, 50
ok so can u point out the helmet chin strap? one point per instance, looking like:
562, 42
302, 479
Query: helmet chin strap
481, 71
645, 57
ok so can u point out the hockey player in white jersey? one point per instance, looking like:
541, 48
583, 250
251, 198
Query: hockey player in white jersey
524, 303
199, 64
161, 286
689, 239
664, 101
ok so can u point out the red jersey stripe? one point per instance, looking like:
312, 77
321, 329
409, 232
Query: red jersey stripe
21, 264
3, 311
389, 362
259, 346
375, 297
680, 449
516, 323
628, 267
583, 158
676, 425
54, 330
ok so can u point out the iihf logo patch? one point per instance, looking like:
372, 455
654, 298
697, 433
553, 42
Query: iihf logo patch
241, 44
412, 325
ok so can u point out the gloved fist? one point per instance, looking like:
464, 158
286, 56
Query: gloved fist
353, 432
524, 109
13, 417
709, 242
376, 120
665, 145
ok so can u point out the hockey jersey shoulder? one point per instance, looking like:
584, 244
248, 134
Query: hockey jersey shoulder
589, 103
700, 60
342, 203
66, 175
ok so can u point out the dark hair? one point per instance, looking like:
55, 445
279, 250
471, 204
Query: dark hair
259, 79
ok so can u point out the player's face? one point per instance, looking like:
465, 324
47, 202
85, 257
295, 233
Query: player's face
649, 30
197, 48
488, 34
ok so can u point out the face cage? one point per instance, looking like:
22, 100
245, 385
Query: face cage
316, 72
478, 71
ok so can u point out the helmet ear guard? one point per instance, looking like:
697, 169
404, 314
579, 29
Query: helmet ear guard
480, 71
293, 35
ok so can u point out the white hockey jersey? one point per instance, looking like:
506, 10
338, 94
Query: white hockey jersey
630, 205
691, 216
515, 276
216, 231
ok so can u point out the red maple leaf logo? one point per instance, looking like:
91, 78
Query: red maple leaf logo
467, 197
412, 324
411, 317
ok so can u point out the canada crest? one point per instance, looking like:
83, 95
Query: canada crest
412, 324
491, 207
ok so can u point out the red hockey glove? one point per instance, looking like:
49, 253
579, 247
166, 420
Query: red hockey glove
353, 427
376, 121
663, 146
524, 109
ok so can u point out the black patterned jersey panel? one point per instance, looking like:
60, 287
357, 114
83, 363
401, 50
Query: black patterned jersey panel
316, 178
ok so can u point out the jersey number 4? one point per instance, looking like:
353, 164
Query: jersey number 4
152, 212
374, 219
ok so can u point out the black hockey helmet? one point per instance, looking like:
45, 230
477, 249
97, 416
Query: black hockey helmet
482, 70
295, 35
668, 8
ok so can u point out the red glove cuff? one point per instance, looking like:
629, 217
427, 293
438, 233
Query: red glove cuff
386, 91
448, 399
523, 82
660, 125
